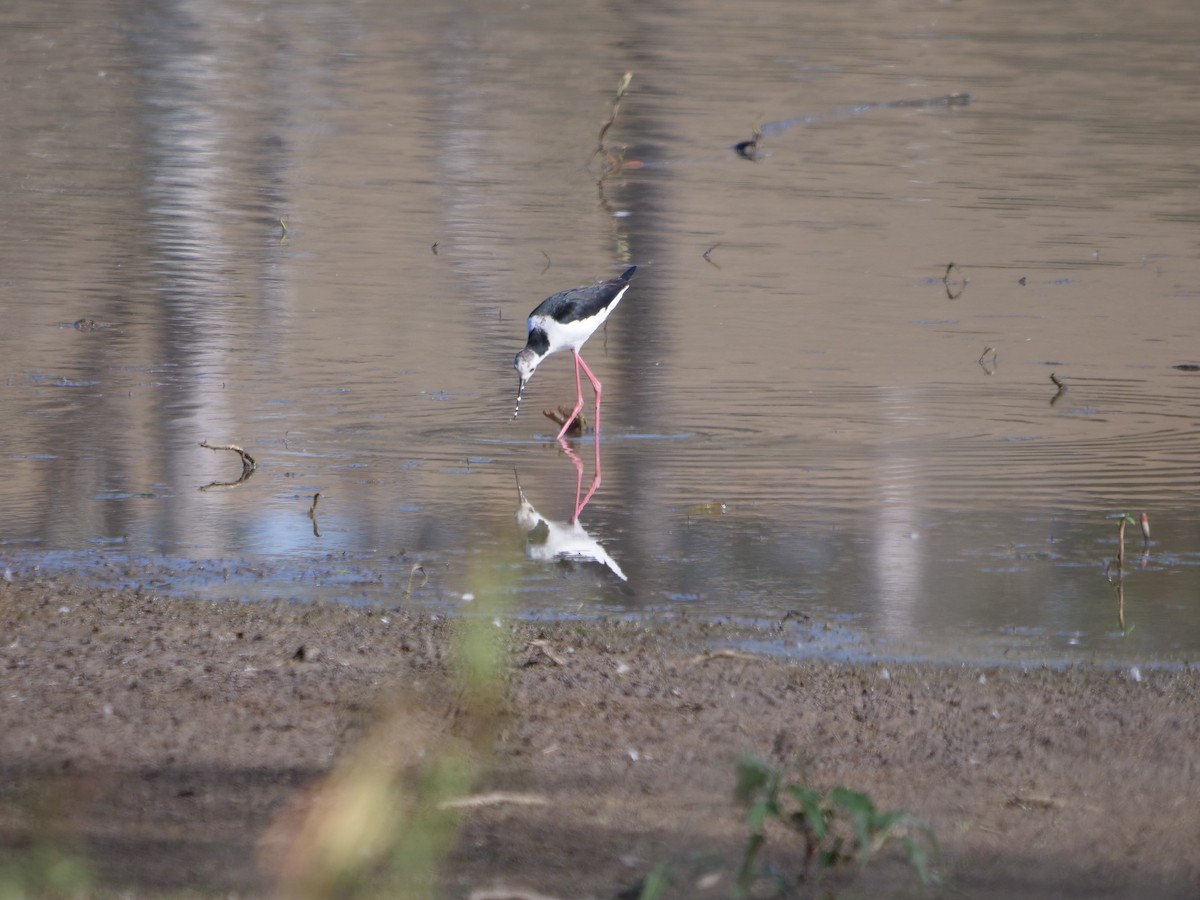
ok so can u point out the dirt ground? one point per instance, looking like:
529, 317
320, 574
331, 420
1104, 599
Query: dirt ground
173, 747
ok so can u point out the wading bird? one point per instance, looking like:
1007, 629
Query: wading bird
565, 321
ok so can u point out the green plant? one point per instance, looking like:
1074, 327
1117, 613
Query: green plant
838, 827
45, 870
383, 821
655, 884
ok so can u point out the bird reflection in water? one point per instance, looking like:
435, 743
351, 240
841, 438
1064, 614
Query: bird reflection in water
547, 540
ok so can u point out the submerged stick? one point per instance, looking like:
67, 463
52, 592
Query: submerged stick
995, 360
249, 464
1061, 385
1118, 560
312, 514
950, 286
412, 573
559, 418
622, 87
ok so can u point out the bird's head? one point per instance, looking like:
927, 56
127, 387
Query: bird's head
524, 362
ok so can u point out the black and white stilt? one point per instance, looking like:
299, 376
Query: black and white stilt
565, 321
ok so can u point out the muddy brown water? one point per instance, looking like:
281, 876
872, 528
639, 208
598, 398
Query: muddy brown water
314, 230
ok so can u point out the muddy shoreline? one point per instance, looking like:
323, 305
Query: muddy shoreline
172, 746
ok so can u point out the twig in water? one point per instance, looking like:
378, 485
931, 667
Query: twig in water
412, 573
1061, 385
706, 253
622, 87
559, 418
312, 514
249, 464
434, 248
995, 359
1118, 560
954, 289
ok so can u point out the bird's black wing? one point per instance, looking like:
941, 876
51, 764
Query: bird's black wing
583, 302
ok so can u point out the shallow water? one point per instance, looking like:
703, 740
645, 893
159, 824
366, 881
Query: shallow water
314, 230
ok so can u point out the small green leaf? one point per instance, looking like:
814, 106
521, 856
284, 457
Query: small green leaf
853, 802
757, 815
752, 776
813, 810
656, 882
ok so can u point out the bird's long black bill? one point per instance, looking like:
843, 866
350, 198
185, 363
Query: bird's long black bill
520, 392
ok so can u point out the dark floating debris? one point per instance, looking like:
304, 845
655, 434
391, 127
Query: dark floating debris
748, 149
312, 514
88, 325
559, 417
1021, 281
955, 287
984, 362
1061, 385
1187, 367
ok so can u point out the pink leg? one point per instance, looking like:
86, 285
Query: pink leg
578, 463
595, 386
580, 504
588, 496
596, 479
579, 394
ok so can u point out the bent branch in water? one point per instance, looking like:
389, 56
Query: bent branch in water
611, 162
249, 464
